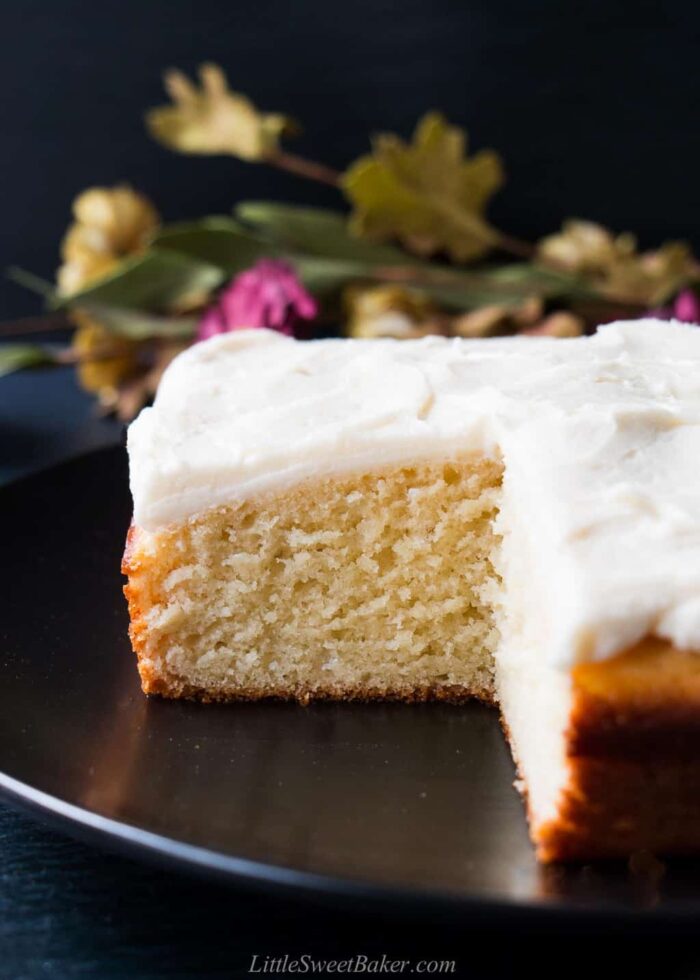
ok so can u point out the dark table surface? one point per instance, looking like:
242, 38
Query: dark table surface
69, 910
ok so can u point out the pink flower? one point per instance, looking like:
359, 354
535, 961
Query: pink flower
685, 307
269, 294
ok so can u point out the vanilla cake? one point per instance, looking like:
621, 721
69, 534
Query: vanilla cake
516, 520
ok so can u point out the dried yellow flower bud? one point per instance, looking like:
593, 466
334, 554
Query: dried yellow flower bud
562, 324
81, 268
651, 277
104, 360
616, 269
488, 321
124, 218
389, 311
110, 224
585, 247
497, 320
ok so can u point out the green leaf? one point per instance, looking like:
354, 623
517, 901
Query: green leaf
510, 288
540, 279
219, 241
16, 357
151, 282
322, 276
136, 325
503, 285
32, 282
469, 296
316, 231
506, 285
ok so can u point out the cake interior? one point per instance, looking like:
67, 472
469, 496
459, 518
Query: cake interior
373, 585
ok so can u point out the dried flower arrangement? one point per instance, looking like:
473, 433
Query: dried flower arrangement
412, 257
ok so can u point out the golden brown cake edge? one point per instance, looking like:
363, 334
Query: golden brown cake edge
632, 747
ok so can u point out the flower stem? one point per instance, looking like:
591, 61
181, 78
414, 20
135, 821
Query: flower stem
35, 324
69, 356
302, 167
507, 243
607, 308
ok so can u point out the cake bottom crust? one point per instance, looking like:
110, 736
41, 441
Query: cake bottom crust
152, 683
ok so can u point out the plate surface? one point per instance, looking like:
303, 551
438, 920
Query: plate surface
408, 803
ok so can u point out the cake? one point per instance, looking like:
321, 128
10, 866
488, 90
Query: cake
515, 520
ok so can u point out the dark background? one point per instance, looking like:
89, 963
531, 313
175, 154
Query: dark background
594, 105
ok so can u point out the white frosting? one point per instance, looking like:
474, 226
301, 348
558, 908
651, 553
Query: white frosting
600, 438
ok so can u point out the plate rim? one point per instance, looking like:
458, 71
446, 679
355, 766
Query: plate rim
138, 843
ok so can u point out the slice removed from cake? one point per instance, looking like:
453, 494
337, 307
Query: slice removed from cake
517, 521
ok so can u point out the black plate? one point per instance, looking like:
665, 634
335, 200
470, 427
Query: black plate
411, 804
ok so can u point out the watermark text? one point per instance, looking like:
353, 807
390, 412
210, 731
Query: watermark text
358, 964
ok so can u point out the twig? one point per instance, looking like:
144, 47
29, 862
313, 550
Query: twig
305, 168
516, 246
600, 310
35, 324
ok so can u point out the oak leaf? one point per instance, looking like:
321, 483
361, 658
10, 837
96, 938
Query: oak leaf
428, 193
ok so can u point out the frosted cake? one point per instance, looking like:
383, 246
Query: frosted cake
515, 520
